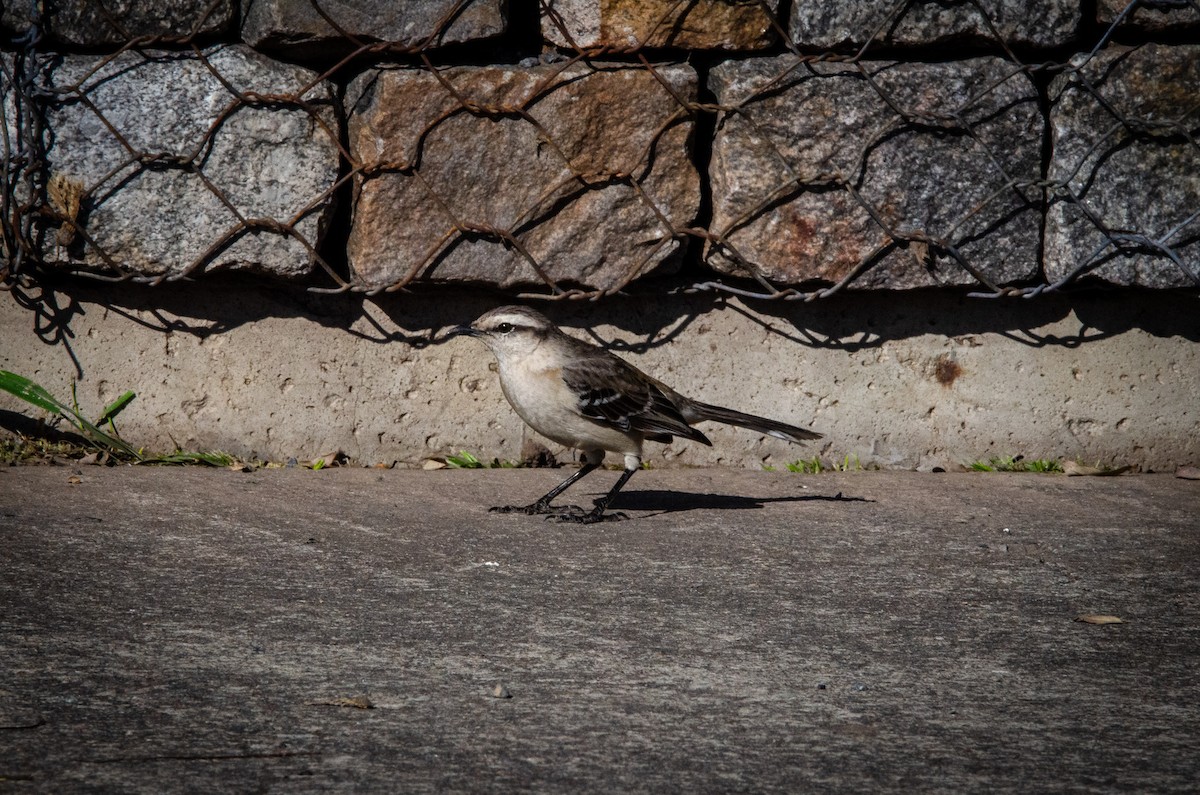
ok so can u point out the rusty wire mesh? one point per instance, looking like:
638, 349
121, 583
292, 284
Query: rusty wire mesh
50, 215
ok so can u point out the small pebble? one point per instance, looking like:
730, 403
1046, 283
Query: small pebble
500, 691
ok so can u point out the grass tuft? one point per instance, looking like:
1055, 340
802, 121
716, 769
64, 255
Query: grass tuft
102, 435
466, 460
814, 465
1016, 464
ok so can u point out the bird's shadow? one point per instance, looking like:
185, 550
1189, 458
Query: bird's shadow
661, 501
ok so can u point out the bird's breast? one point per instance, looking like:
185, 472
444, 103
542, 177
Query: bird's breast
538, 395
544, 401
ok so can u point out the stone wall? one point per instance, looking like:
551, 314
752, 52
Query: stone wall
572, 147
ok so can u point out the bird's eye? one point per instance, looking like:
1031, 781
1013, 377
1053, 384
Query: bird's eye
504, 328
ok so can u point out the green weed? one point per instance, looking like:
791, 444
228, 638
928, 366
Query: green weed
102, 440
814, 465
466, 460
1015, 464
101, 434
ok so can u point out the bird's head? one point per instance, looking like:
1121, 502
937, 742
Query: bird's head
510, 330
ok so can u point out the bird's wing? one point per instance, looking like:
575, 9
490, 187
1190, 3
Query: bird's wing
614, 393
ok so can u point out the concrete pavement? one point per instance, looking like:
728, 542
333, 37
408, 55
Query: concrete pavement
188, 630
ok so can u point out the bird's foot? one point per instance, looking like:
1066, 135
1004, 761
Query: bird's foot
538, 509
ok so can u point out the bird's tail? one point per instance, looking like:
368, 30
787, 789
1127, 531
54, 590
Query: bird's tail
780, 430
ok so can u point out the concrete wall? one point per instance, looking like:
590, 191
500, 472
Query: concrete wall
929, 379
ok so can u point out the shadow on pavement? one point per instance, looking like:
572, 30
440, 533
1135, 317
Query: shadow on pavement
673, 501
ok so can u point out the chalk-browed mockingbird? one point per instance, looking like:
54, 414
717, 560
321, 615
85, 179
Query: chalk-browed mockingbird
583, 397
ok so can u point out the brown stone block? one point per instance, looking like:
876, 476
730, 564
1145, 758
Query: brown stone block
585, 170
633, 24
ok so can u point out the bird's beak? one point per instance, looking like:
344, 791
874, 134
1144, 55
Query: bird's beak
459, 331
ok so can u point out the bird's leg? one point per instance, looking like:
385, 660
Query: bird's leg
543, 504
597, 514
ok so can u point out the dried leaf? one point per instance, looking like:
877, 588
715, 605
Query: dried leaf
357, 702
74, 480
920, 252
66, 198
1097, 619
1188, 473
89, 459
433, 463
1074, 468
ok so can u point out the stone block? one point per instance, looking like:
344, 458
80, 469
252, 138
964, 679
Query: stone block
830, 25
1125, 126
817, 160
1149, 16
171, 163
632, 24
297, 27
587, 168
106, 23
